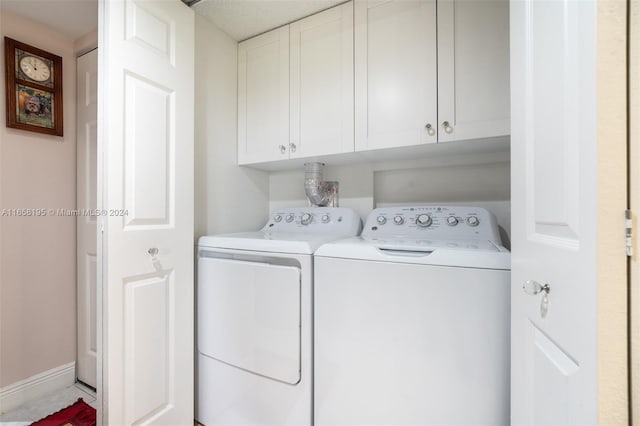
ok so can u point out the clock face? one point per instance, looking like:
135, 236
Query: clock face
35, 68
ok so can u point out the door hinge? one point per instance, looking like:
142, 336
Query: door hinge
628, 232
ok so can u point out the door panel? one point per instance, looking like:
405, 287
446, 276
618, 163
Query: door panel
473, 69
322, 83
252, 316
553, 150
146, 259
148, 111
395, 68
87, 110
263, 97
149, 365
552, 369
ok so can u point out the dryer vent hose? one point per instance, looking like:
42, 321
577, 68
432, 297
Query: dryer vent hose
319, 192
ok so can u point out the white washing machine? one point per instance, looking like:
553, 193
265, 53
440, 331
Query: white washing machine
255, 318
412, 321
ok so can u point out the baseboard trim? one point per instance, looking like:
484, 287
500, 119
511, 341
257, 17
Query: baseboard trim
18, 393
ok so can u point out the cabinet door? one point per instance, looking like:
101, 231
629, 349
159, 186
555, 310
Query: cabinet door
473, 69
395, 68
322, 83
263, 97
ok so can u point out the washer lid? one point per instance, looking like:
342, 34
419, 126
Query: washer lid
457, 253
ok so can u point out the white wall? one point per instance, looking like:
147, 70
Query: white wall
228, 198
37, 254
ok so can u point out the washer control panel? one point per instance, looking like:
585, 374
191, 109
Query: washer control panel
432, 222
314, 220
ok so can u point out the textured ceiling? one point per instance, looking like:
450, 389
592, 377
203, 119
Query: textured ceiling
242, 19
74, 18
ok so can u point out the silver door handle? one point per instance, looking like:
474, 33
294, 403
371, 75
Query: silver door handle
292, 147
532, 288
153, 251
430, 130
283, 149
447, 127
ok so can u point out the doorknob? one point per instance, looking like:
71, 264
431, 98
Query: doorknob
283, 149
533, 288
153, 251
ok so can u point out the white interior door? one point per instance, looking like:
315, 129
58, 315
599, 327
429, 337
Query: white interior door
553, 146
145, 128
87, 163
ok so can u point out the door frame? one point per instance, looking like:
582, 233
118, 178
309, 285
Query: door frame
612, 189
634, 205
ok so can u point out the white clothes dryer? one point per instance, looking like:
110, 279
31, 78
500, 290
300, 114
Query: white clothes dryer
412, 321
254, 318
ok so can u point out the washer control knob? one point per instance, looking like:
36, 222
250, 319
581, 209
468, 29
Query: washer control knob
306, 219
277, 218
398, 220
289, 218
452, 221
423, 220
325, 218
381, 220
473, 221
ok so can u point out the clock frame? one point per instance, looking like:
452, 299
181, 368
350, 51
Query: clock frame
33, 105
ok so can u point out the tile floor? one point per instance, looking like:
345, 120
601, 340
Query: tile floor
42, 407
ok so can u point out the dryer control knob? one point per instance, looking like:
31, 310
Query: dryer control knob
277, 218
423, 220
306, 219
289, 218
473, 221
452, 221
398, 220
325, 218
381, 220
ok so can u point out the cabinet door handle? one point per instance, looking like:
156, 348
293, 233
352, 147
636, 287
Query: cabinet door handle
447, 127
430, 130
283, 149
292, 147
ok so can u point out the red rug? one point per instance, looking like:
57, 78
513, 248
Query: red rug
78, 414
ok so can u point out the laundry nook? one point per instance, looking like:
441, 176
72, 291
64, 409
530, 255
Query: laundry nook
319, 212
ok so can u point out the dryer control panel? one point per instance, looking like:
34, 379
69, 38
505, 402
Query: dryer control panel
432, 222
314, 220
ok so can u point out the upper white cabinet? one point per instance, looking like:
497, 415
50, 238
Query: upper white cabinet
321, 73
263, 97
396, 73
373, 74
295, 89
473, 69
427, 74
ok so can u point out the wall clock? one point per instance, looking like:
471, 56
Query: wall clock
34, 88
